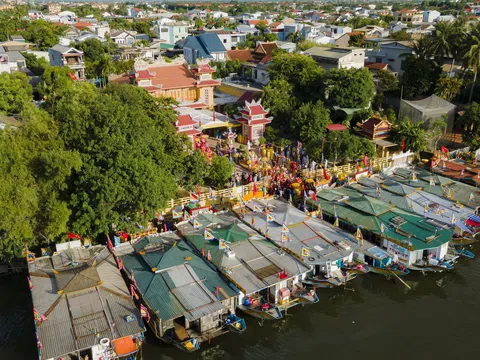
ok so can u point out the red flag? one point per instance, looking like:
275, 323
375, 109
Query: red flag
325, 175
73, 77
164, 227
314, 196
254, 188
214, 115
403, 145
199, 192
444, 149
364, 160
73, 236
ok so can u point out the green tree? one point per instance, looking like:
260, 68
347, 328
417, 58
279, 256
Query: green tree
448, 87
129, 150
401, 35
41, 33
221, 171
55, 82
305, 45
309, 122
198, 23
15, 92
472, 56
356, 40
93, 49
194, 170
471, 124
350, 88
445, 41
411, 133
391, 115
386, 81
34, 168
420, 76
105, 68
278, 96
36, 65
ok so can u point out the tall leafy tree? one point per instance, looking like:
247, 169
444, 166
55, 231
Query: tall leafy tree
471, 124
309, 122
412, 134
221, 171
15, 92
445, 41
419, 76
279, 97
472, 56
350, 88
129, 149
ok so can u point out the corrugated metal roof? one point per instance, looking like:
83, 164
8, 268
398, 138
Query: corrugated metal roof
88, 311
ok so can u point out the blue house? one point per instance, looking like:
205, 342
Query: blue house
203, 46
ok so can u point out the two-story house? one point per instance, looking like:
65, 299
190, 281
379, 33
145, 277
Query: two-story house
123, 38
411, 16
60, 55
229, 39
338, 58
203, 46
173, 32
392, 53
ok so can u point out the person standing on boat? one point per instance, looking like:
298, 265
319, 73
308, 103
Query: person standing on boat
395, 259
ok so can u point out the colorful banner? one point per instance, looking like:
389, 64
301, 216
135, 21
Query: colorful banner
222, 244
305, 252
285, 229
270, 218
208, 235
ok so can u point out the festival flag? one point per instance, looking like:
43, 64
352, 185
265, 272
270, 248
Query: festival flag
73, 236
454, 220
285, 237
207, 235
325, 175
222, 244
120, 264
30, 284
471, 197
364, 160
186, 215
314, 196
72, 76
109, 243
403, 145
358, 234
209, 256
426, 207
305, 251
285, 229
29, 255
411, 204
382, 228
438, 211
444, 149
176, 214
254, 188
194, 197
432, 181
196, 224
144, 312
414, 176
450, 194
38, 317
335, 223
253, 220
320, 213
256, 208
270, 218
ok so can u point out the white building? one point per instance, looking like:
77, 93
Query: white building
338, 58
173, 32
60, 55
430, 16
392, 53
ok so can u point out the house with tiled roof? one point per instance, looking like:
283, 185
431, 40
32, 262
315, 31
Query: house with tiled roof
253, 118
277, 28
60, 55
187, 84
264, 49
376, 128
81, 305
123, 38
241, 55
338, 57
204, 46
187, 300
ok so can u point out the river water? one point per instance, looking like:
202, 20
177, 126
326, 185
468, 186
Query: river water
439, 318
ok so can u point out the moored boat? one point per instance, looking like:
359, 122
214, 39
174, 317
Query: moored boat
465, 253
235, 323
257, 307
179, 337
463, 241
303, 295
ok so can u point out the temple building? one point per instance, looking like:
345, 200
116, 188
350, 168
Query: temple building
253, 118
190, 85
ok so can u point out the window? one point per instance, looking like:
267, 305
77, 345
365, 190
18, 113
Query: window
224, 41
391, 60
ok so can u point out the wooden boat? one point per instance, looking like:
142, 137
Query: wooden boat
180, 338
378, 260
322, 284
235, 324
465, 253
321, 281
463, 241
424, 265
303, 295
356, 268
399, 270
257, 307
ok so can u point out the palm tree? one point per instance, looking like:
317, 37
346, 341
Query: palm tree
445, 41
412, 134
472, 57
105, 67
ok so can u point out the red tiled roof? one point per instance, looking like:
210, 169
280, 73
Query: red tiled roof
144, 74
266, 59
266, 48
172, 77
275, 24
185, 120
191, 132
247, 96
254, 122
82, 24
205, 68
336, 127
375, 65
255, 22
240, 55
371, 123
